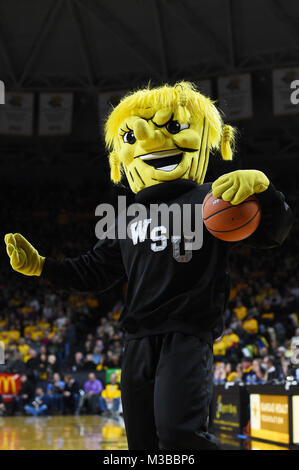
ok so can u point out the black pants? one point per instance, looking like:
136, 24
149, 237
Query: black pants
92, 403
167, 387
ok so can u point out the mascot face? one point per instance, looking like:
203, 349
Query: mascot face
152, 153
161, 135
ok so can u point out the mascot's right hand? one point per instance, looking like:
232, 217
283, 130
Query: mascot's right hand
24, 258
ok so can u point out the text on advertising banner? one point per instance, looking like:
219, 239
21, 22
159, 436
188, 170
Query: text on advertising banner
269, 417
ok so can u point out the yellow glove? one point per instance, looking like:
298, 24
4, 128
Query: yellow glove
238, 185
24, 258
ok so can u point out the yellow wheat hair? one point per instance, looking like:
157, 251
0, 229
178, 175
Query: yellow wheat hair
185, 102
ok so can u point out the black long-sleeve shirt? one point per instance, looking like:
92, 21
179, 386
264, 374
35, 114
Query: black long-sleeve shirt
165, 294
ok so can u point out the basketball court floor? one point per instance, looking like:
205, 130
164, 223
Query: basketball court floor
80, 433
62, 433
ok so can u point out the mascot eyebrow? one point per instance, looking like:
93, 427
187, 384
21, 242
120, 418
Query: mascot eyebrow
124, 132
165, 123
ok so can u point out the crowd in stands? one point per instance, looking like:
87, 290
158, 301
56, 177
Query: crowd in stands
260, 342
51, 336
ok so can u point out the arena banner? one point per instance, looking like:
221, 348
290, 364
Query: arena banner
282, 91
16, 115
235, 96
269, 417
295, 406
113, 371
226, 412
108, 100
257, 445
10, 385
55, 114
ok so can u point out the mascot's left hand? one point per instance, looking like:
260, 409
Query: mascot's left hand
238, 185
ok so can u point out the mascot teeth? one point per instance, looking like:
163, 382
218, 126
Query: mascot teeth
167, 168
166, 160
162, 154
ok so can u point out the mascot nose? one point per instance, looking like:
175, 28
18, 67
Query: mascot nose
149, 137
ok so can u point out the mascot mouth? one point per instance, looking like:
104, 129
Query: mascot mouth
164, 161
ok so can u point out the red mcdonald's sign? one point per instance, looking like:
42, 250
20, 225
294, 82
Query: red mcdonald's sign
10, 385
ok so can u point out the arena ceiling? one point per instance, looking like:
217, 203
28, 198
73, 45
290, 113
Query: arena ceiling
79, 44
87, 46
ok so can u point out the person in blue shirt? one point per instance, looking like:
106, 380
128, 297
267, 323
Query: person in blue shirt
55, 390
39, 406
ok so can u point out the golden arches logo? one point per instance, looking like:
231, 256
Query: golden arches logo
9, 384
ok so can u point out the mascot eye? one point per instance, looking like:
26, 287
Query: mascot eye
174, 127
129, 137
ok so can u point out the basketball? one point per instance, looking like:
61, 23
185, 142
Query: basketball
229, 222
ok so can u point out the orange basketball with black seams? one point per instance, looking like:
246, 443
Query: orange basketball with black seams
229, 222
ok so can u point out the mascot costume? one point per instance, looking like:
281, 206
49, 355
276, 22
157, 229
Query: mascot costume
160, 140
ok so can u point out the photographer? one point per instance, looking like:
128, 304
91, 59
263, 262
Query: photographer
39, 406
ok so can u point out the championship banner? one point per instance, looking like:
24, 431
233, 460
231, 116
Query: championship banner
10, 385
55, 114
107, 100
282, 91
235, 97
16, 115
269, 417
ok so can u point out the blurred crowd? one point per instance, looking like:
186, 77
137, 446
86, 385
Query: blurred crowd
51, 336
64, 395
260, 342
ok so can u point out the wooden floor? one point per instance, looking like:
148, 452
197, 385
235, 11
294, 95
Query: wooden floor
62, 433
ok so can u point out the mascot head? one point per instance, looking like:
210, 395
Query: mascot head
163, 134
